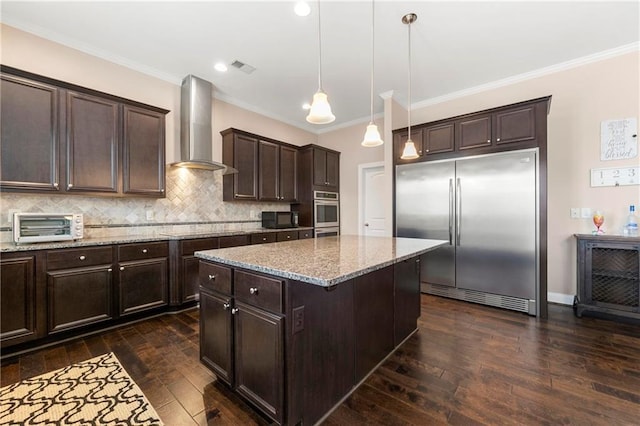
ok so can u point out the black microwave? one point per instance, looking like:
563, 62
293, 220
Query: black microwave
279, 219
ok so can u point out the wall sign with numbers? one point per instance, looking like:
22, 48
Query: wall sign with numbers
615, 176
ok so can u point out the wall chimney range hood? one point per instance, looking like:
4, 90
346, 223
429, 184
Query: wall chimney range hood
195, 127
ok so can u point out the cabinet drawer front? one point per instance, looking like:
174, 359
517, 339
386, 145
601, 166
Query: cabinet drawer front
215, 277
265, 237
287, 236
72, 258
233, 241
142, 251
258, 291
191, 246
302, 235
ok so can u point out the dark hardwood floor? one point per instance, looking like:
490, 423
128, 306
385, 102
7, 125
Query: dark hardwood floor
468, 364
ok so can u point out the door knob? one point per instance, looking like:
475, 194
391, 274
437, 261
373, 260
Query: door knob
253, 290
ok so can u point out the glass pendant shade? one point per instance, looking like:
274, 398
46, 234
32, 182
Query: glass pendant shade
372, 136
320, 112
409, 152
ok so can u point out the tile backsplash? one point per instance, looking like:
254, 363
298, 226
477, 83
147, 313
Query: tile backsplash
193, 203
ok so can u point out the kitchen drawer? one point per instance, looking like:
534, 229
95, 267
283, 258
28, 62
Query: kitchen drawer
233, 241
303, 235
215, 277
191, 246
75, 258
287, 236
259, 291
265, 237
142, 251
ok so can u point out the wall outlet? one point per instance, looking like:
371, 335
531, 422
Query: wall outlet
575, 213
585, 212
150, 215
298, 319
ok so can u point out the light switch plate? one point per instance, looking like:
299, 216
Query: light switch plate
585, 212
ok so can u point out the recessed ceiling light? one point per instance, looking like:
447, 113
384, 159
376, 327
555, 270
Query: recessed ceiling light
302, 8
220, 66
306, 105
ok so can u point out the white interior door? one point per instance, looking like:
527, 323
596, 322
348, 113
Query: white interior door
372, 206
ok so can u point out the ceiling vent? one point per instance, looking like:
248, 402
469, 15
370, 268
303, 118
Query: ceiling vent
247, 69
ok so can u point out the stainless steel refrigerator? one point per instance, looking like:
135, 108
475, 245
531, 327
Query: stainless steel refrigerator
486, 207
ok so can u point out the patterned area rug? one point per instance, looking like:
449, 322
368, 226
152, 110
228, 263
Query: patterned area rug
94, 392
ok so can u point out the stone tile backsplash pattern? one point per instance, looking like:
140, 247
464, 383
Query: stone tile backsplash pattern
193, 204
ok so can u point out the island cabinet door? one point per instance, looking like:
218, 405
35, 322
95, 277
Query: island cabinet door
216, 334
406, 298
259, 358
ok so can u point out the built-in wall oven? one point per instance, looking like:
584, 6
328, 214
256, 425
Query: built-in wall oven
326, 213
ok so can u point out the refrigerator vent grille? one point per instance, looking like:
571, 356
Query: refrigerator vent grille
506, 302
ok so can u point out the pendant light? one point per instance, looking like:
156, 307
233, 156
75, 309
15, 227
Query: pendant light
372, 135
409, 152
320, 111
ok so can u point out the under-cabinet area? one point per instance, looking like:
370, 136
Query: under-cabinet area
294, 339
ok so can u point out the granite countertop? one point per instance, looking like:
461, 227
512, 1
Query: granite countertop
124, 239
322, 261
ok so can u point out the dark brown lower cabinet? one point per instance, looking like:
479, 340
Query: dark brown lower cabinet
22, 310
143, 285
79, 297
406, 298
259, 360
216, 334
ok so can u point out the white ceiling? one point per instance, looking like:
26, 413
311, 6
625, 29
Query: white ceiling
455, 45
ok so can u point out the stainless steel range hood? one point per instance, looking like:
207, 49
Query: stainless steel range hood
195, 127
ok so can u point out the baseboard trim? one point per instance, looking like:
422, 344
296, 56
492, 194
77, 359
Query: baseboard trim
563, 299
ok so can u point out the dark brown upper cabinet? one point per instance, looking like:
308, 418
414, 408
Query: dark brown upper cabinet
326, 169
267, 169
241, 152
30, 138
143, 147
516, 126
93, 138
60, 137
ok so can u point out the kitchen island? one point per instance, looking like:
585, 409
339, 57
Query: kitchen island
295, 327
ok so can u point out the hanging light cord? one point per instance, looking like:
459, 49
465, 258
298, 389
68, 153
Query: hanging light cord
373, 34
319, 52
409, 88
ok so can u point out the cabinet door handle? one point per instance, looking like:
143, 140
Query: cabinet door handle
83, 257
212, 277
488, 140
498, 140
109, 270
70, 186
226, 306
144, 250
253, 290
55, 184
234, 311
122, 268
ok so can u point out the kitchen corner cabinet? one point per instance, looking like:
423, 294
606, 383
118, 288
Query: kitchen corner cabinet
22, 298
185, 282
608, 275
242, 332
78, 140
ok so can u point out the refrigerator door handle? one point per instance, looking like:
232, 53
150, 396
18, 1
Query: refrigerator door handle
458, 210
451, 207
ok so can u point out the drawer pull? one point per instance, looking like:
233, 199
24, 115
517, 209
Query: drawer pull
109, 270
226, 306
288, 237
234, 311
253, 290
264, 239
144, 250
212, 277
122, 268
83, 257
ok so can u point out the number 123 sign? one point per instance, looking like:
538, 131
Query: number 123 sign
615, 176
